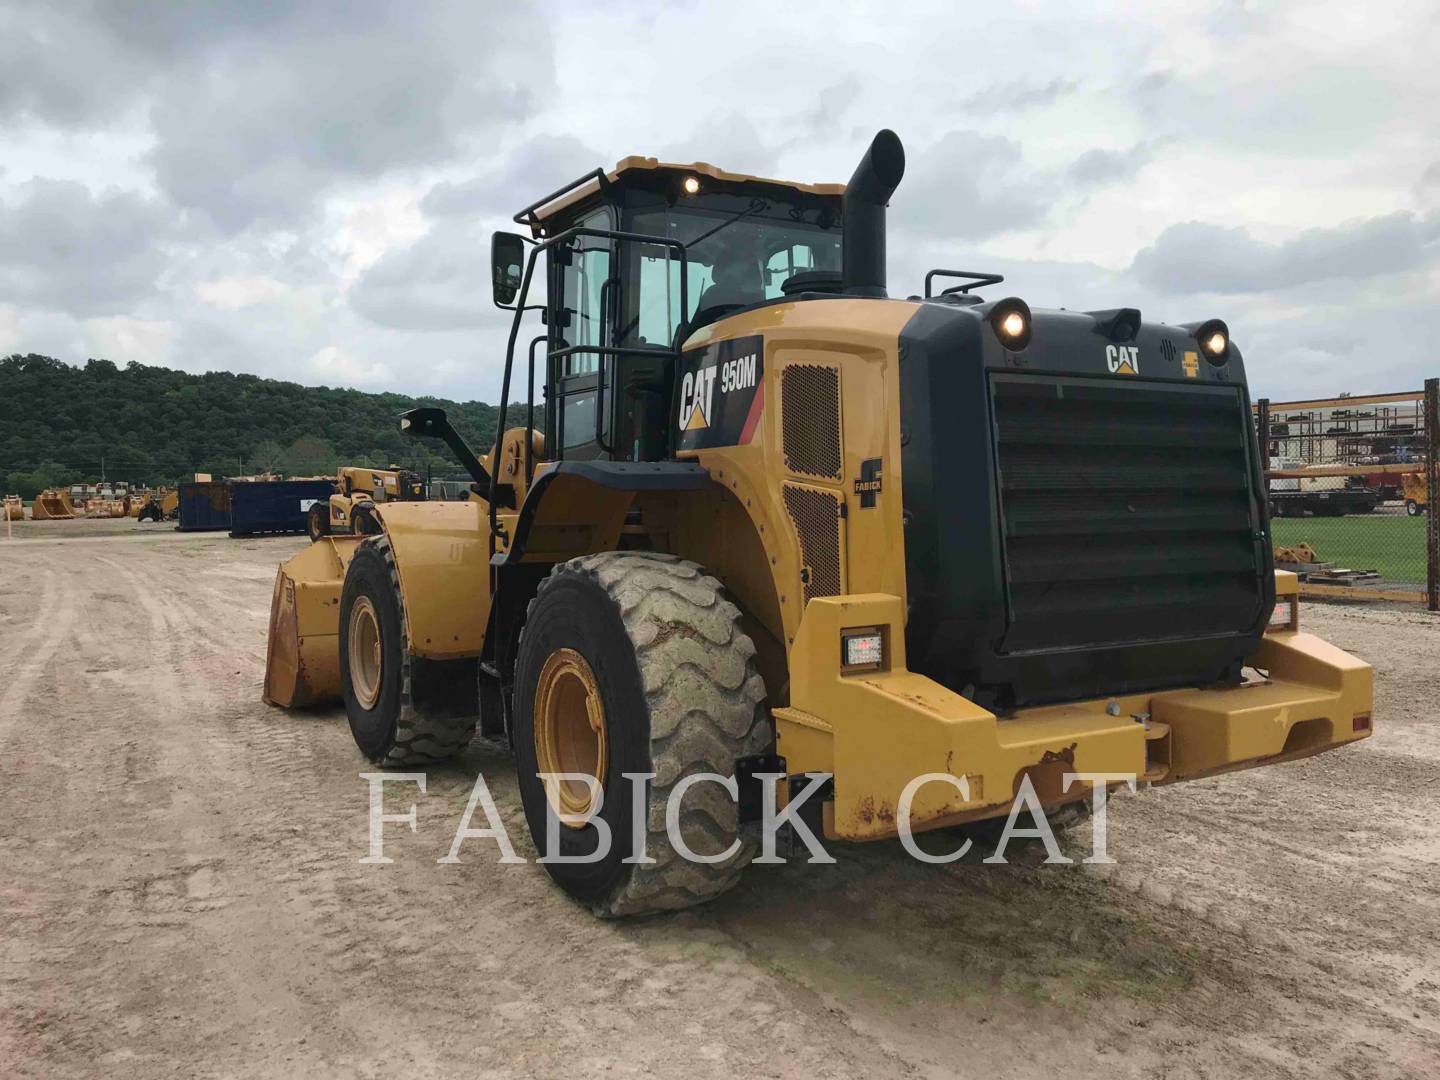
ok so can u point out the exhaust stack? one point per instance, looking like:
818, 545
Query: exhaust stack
866, 196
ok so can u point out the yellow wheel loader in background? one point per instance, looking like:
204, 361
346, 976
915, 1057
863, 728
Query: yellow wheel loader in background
357, 489
908, 554
1415, 492
161, 504
14, 508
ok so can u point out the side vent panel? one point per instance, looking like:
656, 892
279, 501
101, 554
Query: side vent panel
810, 420
816, 515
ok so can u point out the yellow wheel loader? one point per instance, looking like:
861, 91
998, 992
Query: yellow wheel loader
1415, 492
14, 508
877, 560
159, 505
357, 489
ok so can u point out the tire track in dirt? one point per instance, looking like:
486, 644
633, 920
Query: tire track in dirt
52, 625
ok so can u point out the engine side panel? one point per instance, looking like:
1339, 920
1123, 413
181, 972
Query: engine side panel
814, 457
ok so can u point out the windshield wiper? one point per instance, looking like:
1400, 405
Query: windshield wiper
756, 205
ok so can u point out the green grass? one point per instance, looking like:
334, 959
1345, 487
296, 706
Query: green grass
1393, 544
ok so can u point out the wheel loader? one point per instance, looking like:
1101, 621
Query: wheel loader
1416, 493
161, 504
357, 490
910, 556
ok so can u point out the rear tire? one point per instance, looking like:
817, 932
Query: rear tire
671, 688
1412, 508
403, 710
318, 522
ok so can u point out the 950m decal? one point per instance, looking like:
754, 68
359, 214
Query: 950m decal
722, 393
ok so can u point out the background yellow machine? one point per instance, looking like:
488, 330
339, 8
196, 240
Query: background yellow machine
770, 521
162, 504
51, 505
1416, 493
356, 489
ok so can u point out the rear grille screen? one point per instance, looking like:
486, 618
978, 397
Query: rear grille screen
1126, 511
810, 419
816, 514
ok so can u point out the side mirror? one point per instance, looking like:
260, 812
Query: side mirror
507, 261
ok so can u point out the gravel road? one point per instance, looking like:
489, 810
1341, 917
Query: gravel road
181, 893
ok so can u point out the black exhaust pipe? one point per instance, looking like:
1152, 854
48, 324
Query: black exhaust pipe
866, 196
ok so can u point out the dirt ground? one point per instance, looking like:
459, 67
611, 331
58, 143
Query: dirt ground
181, 893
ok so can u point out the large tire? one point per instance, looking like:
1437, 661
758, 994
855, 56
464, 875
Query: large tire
364, 521
1412, 508
317, 523
676, 677
408, 711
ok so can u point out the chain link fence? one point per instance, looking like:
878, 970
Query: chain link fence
1352, 486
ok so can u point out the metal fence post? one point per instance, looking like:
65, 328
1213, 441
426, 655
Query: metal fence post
1262, 432
1432, 494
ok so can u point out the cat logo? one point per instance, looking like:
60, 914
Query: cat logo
720, 395
1191, 363
697, 390
1123, 359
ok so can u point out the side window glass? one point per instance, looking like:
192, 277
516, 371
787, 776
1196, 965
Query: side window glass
588, 296
660, 295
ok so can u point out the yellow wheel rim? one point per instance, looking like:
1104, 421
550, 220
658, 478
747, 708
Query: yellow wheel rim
569, 732
365, 668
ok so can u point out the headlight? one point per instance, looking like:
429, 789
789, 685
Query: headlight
691, 184
1010, 319
1214, 339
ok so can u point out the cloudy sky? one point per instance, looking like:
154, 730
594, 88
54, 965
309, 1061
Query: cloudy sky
305, 189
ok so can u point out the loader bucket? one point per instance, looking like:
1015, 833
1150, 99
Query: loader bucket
302, 658
51, 505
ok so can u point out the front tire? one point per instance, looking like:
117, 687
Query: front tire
635, 662
1412, 508
403, 710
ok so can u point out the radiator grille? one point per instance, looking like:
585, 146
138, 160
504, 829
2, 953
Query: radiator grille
816, 515
810, 419
1126, 510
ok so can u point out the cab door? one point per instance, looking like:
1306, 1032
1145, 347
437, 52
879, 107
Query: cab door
582, 313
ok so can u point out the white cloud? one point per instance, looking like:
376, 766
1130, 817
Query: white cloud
122, 339
239, 291
335, 365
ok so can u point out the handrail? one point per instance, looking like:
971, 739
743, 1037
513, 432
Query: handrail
530, 417
976, 280
527, 216
600, 350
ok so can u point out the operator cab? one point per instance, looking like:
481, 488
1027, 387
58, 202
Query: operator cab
617, 310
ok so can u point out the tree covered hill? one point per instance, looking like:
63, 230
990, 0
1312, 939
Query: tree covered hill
61, 425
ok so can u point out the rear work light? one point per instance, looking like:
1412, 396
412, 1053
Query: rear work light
1286, 615
862, 649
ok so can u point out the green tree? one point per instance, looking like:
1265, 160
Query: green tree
267, 456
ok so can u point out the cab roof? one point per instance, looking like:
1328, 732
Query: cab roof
588, 185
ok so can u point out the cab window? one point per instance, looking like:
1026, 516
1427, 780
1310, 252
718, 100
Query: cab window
744, 262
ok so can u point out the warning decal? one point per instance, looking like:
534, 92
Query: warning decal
721, 393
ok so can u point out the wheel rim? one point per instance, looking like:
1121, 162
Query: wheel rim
569, 732
364, 651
